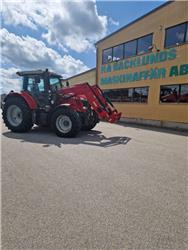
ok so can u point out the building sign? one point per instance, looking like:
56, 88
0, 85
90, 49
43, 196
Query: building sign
148, 74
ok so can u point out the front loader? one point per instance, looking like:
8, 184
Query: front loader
44, 102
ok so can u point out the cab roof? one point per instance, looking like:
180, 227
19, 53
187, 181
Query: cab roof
37, 72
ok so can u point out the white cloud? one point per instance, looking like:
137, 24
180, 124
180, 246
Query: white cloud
29, 53
9, 80
113, 22
69, 24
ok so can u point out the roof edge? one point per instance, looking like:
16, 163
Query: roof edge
136, 20
36, 72
79, 74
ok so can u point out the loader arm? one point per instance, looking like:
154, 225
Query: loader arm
98, 102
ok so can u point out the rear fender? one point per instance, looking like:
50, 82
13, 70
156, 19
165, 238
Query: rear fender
27, 98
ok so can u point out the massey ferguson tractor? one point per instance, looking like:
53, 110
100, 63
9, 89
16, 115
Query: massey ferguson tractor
44, 102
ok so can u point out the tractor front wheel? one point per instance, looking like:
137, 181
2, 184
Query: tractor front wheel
17, 115
66, 122
90, 122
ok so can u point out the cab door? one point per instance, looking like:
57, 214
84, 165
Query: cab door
36, 86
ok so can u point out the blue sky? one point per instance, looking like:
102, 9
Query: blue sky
59, 34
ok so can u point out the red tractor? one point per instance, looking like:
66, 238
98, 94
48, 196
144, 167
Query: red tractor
44, 102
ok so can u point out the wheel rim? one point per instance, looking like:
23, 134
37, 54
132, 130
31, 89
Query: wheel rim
63, 124
14, 115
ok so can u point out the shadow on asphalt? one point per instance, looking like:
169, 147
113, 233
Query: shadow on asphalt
46, 137
153, 128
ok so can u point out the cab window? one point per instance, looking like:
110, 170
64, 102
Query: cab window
55, 83
34, 84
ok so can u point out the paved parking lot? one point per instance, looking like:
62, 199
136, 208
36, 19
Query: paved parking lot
116, 187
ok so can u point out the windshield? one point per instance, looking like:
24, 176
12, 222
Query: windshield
55, 83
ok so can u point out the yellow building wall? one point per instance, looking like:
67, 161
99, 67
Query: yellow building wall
156, 23
88, 76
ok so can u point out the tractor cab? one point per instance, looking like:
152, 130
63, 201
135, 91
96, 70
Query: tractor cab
41, 85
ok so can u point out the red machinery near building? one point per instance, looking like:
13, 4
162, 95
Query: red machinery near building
44, 102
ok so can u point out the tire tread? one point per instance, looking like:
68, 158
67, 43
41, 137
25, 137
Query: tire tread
26, 124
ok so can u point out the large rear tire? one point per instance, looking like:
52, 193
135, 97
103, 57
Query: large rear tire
17, 115
91, 122
66, 122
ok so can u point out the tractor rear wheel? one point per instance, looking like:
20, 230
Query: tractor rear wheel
17, 115
66, 122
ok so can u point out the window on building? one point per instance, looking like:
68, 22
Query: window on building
130, 48
139, 95
107, 55
174, 93
118, 52
129, 97
186, 37
144, 44
183, 97
116, 95
176, 35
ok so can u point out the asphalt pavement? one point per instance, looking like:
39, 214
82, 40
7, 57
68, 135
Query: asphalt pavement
116, 187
